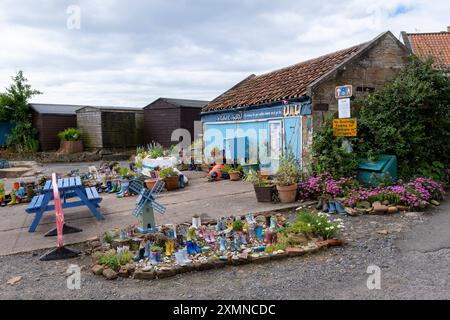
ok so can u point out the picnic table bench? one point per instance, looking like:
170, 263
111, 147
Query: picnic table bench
69, 188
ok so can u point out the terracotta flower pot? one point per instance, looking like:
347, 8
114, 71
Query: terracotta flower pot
235, 176
68, 147
287, 194
172, 183
150, 183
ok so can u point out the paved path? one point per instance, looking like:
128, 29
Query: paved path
211, 200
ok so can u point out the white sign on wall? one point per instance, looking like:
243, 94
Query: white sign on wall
344, 108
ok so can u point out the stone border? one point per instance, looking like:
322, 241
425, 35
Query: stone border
139, 274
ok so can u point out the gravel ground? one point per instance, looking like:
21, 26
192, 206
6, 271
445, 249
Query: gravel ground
407, 272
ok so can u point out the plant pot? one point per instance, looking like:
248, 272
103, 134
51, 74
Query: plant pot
287, 194
68, 147
247, 167
264, 194
150, 183
172, 183
235, 176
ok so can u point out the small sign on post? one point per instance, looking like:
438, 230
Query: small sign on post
345, 127
344, 108
344, 92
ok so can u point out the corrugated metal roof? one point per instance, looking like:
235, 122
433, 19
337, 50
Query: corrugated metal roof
183, 102
43, 108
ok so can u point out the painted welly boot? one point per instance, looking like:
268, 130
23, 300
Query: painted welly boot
332, 207
185, 256
108, 186
319, 205
179, 258
13, 199
325, 207
223, 244
190, 247
169, 248
244, 239
339, 208
259, 232
119, 194
197, 248
232, 246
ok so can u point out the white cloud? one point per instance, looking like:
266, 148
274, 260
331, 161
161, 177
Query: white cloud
131, 52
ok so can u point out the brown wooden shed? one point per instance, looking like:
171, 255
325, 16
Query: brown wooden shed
50, 119
111, 127
164, 115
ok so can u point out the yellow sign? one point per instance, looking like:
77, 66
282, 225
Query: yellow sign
345, 127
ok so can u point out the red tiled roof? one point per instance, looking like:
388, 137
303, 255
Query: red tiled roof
435, 45
287, 83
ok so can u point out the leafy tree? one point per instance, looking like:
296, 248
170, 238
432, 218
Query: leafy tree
409, 118
14, 107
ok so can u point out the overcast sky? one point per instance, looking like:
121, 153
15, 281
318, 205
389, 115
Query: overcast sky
128, 53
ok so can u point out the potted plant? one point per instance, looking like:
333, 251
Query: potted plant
235, 174
287, 178
70, 141
264, 188
154, 177
170, 178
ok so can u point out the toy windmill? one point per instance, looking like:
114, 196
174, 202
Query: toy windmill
146, 205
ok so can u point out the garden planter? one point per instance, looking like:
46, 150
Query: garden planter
264, 194
172, 183
68, 147
150, 183
287, 194
235, 176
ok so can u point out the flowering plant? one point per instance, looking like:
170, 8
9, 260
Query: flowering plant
324, 185
319, 225
414, 194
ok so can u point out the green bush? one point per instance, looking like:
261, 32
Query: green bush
69, 134
156, 152
167, 173
410, 118
329, 155
317, 224
114, 260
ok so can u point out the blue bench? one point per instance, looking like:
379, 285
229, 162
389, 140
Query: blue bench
69, 188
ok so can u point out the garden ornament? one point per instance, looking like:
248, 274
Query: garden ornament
2, 194
196, 221
223, 243
259, 232
273, 222
339, 208
170, 247
332, 207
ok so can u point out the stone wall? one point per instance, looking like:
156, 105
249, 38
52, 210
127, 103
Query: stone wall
366, 73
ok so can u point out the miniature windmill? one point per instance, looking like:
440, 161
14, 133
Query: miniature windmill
146, 205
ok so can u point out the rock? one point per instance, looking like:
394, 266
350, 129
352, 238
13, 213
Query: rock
161, 274
109, 274
376, 203
392, 210
380, 208
144, 275
334, 242
97, 270
295, 252
386, 203
95, 244
279, 255
435, 203
361, 211
124, 272
402, 208
322, 244
14, 280
351, 212
383, 232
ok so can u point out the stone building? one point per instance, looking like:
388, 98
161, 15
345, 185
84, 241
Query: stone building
286, 105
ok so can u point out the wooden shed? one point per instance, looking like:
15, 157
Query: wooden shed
111, 127
164, 115
50, 119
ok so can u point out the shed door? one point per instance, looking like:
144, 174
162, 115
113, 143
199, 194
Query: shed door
292, 131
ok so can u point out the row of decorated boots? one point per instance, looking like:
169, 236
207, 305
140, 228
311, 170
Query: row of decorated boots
21, 193
332, 207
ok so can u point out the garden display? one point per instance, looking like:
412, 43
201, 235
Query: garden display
345, 195
169, 250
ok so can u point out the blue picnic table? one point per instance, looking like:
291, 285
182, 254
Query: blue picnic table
69, 188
